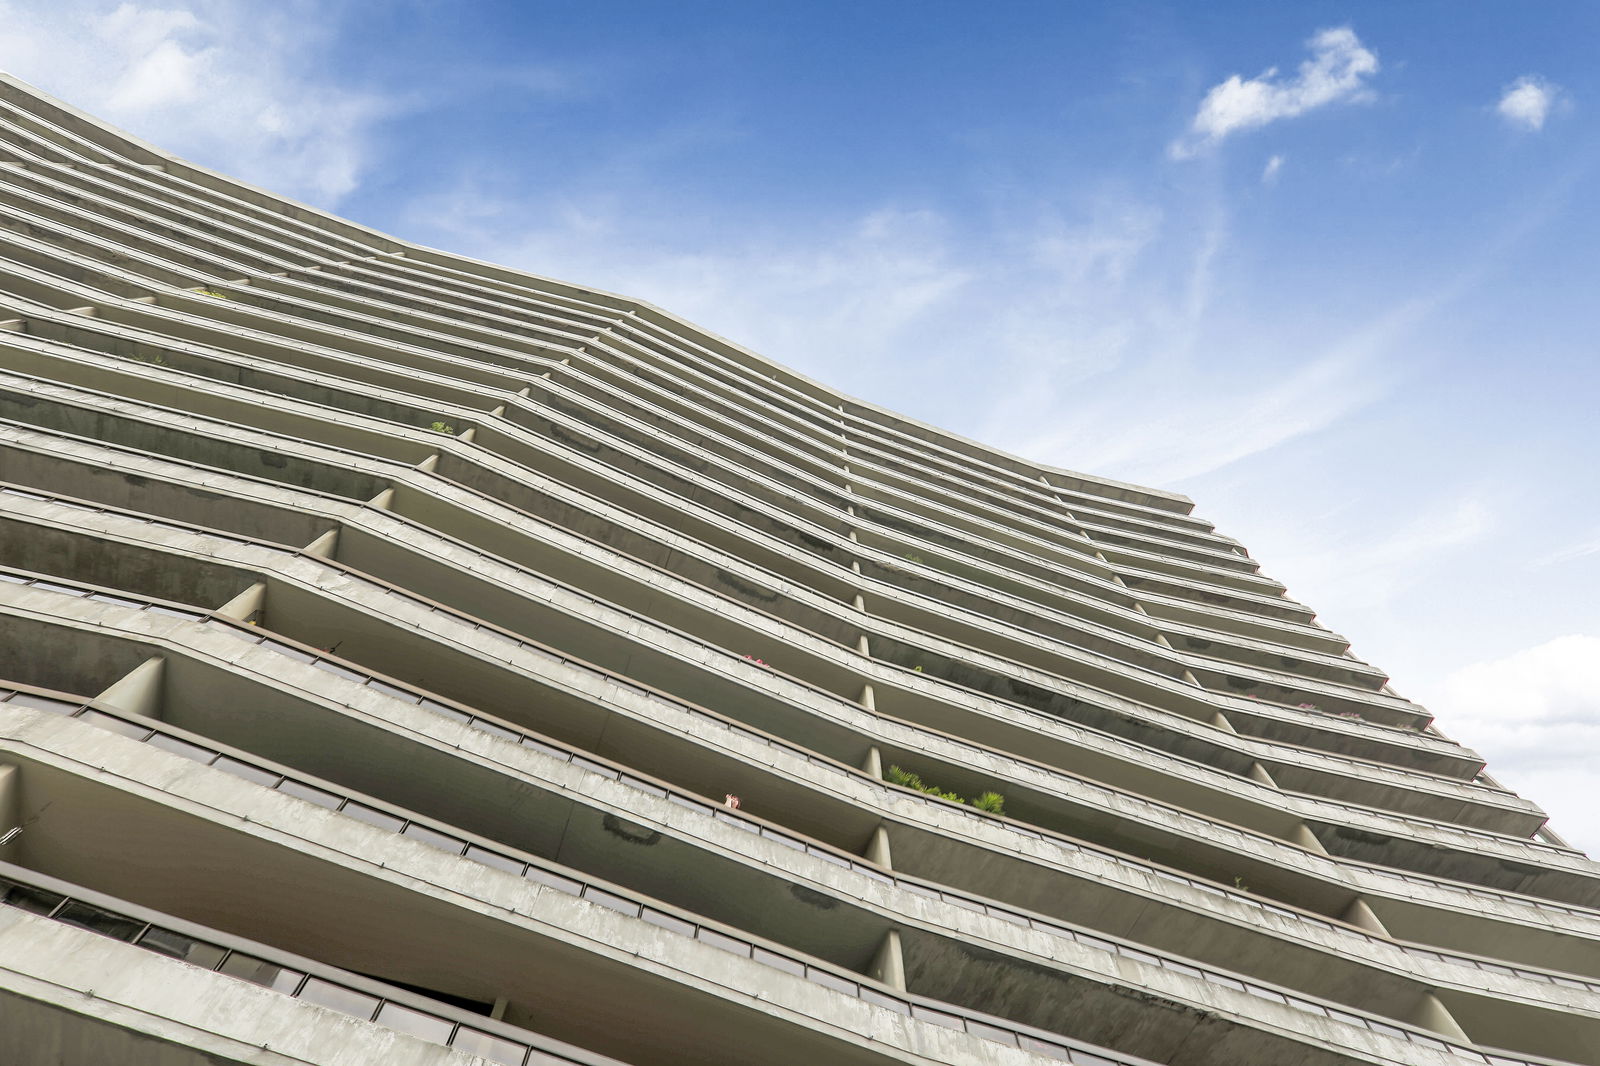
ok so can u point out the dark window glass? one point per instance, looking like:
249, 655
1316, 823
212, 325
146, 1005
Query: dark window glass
85, 916
182, 947
260, 972
28, 898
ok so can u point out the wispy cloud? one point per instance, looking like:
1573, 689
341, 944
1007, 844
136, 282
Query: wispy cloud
1571, 553
1337, 72
1527, 102
1537, 713
238, 86
1269, 173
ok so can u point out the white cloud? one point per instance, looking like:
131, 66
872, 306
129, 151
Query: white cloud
1337, 72
1269, 173
1527, 102
230, 84
1571, 553
1535, 716
1348, 565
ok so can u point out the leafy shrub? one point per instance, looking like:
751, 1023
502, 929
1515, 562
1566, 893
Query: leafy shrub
442, 427
990, 802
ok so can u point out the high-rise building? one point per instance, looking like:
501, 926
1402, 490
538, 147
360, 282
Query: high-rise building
405, 659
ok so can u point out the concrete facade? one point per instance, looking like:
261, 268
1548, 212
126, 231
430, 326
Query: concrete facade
405, 659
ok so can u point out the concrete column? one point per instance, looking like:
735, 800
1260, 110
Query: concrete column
1222, 723
383, 500
498, 411
1431, 1014
466, 435
1303, 836
889, 965
1360, 915
866, 696
862, 646
1188, 675
859, 603
1161, 638
878, 848
247, 603
872, 765
1259, 773
325, 544
498, 1011
430, 464
139, 690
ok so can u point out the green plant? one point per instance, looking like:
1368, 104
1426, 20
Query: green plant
1238, 882
992, 802
214, 294
442, 427
913, 558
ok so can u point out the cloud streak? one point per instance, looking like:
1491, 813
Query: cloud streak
1337, 72
235, 86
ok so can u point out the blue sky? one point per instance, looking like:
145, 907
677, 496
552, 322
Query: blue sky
1328, 269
